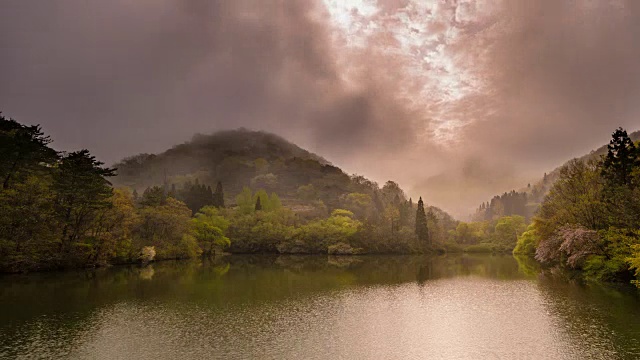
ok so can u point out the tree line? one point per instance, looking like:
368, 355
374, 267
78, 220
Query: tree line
589, 221
59, 210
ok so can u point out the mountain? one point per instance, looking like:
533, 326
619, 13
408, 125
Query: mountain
512, 203
239, 158
236, 158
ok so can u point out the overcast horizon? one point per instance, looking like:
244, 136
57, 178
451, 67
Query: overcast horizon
457, 101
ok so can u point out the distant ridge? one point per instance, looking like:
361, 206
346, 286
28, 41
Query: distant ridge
535, 191
237, 158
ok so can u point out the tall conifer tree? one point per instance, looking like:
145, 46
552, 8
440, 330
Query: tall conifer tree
621, 159
258, 204
422, 231
218, 196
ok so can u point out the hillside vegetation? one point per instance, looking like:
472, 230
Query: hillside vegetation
590, 219
238, 191
504, 222
526, 201
302, 196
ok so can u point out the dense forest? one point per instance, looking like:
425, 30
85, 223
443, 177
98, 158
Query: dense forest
589, 221
243, 191
236, 191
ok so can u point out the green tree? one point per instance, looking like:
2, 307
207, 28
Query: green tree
575, 198
245, 201
317, 236
621, 159
111, 236
196, 195
527, 242
422, 231
274, 202
360, 204
634, 263
218, 196
392, 194
209, 228
82, 190
28, 228
23, 149
265, 202
153, 196
508, 229
167, 228
258, 206
464, 234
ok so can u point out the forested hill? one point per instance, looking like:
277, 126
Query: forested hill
65, 209
304, 181
235, 157
543, 185
527, 200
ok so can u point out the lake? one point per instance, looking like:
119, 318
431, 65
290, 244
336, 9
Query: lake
317, 307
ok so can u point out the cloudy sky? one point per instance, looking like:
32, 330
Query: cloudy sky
455, 99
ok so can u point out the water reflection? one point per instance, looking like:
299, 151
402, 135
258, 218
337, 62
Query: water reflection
464, 306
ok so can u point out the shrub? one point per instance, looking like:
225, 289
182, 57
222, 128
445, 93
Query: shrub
481, 248
343, 249
147, 254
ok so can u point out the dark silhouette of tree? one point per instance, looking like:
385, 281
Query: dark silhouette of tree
218, 196
422, 231
81, 190
209, 195
153, 196
196, 195
258, 204
507, 204
22, 149
621, 159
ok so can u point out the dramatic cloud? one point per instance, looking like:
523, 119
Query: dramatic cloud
558, 77
456, 100
506, 89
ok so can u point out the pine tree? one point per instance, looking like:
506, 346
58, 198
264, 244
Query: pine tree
210, 200
621, 159
82, 189
218, 196
258, 204
422, 231
23, 150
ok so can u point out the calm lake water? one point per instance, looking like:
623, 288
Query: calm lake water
312, 307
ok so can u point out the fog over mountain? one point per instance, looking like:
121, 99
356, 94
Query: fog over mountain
456, 100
